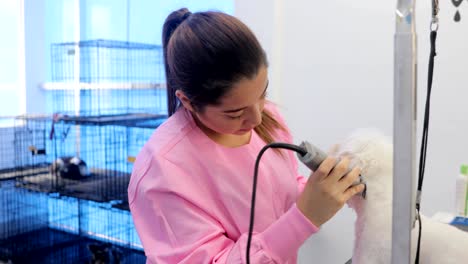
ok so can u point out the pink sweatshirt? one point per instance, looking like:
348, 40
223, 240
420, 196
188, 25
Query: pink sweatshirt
190, 198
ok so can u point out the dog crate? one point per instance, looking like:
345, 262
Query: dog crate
7, 150
106, 77
31, 145
49, 228
106, 233
25, 235
107, 224
106, 147
104, 101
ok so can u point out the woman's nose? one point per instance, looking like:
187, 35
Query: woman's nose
255, 115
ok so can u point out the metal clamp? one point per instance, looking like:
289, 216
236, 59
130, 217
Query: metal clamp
435, 24
435, 15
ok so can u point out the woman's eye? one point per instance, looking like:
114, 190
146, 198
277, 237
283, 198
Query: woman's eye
234, 117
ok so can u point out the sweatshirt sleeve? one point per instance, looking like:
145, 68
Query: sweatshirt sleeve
174, 229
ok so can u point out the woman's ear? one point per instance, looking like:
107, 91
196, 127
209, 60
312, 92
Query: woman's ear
184, 100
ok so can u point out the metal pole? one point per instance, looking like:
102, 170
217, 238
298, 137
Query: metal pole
404, 129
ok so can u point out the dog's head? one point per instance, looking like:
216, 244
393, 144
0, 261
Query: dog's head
372, 151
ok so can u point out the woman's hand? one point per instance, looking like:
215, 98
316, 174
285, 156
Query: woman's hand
328, 189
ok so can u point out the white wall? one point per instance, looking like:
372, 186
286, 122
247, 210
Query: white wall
34, 47
262, 17
333, 66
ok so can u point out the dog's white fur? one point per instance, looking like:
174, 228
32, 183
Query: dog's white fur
373, 152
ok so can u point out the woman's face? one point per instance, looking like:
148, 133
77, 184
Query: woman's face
240, 110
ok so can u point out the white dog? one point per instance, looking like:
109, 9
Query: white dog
373, 152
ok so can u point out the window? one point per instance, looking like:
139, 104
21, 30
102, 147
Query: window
73, 20
12, 99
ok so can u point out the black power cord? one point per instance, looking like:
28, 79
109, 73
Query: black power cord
254, 190
423, 153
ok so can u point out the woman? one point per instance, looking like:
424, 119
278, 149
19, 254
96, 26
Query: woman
191, 185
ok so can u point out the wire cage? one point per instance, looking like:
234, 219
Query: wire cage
89, 158
45, 218
102, 61
105, 77
25, 235
52, 219
49, 228
105, 232
7, 150
108, 224
110, 96
106, 99
31, 140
